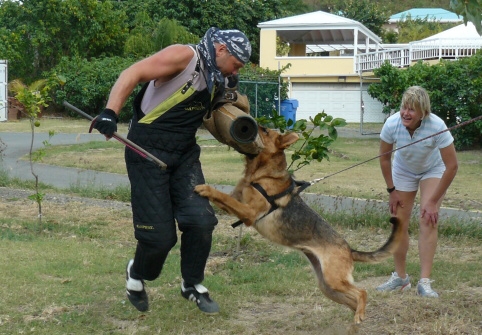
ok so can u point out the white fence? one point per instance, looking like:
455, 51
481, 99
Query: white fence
420, 50
3, 91
373, 60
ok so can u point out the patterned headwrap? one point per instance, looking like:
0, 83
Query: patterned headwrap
237, 43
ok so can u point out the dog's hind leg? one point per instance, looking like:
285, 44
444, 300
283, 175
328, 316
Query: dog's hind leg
340, 290
337, 273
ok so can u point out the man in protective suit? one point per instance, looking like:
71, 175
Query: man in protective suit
181, 83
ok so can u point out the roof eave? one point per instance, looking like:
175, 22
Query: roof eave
360, 28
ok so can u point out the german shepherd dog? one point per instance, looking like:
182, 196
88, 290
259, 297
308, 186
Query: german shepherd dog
268, 199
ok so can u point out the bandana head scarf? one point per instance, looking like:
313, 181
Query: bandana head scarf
237, 44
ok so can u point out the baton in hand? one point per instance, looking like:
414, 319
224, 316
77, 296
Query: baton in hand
128, 143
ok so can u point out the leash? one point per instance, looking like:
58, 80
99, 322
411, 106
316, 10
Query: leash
389, 152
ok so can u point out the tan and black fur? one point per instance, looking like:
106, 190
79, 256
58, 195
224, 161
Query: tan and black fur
295, 225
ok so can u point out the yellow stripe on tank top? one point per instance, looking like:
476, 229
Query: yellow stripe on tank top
176, 98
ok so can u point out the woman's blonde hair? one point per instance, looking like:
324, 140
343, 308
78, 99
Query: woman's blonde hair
416, 98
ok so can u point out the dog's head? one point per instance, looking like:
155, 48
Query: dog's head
274, 145
274, 141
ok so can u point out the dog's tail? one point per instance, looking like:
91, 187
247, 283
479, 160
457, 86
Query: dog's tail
386, 250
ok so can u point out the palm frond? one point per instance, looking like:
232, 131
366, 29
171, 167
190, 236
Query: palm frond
16, 86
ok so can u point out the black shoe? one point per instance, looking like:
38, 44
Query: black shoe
135, 290
199, 294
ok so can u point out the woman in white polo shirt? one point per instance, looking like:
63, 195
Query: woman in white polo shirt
430, 165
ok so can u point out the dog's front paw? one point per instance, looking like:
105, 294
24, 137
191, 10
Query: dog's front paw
203, 190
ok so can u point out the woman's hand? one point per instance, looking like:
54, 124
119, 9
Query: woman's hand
394, 202
430, 213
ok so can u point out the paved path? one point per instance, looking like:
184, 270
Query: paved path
18, 144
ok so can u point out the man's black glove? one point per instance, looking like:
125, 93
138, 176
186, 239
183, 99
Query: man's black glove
105, 122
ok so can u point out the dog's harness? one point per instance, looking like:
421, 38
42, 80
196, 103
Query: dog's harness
272, 198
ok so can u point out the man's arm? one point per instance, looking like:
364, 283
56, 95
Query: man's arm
162, 66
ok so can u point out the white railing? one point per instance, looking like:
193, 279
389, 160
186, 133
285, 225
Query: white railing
420, 50
373, 60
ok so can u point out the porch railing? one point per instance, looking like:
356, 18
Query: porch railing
419, 50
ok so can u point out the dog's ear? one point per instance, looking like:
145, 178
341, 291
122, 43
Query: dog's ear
288, 139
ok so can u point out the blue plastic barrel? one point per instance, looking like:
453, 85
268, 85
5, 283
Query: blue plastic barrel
288, 110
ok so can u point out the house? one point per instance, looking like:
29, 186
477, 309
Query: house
431, 14
323, 75
332, 61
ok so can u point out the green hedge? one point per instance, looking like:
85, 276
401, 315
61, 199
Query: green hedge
88, 83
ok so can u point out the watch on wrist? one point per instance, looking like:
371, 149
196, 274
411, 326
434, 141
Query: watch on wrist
390, 190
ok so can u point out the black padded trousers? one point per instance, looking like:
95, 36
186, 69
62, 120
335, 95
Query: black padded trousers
162, 198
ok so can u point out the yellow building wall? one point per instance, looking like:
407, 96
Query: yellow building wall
311, 68
298, 50
267, 46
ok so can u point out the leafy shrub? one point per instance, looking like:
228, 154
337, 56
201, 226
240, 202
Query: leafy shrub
88, 83
149, 36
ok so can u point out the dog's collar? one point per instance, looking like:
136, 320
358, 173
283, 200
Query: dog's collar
272, 198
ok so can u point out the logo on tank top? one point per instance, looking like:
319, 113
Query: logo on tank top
195, 106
